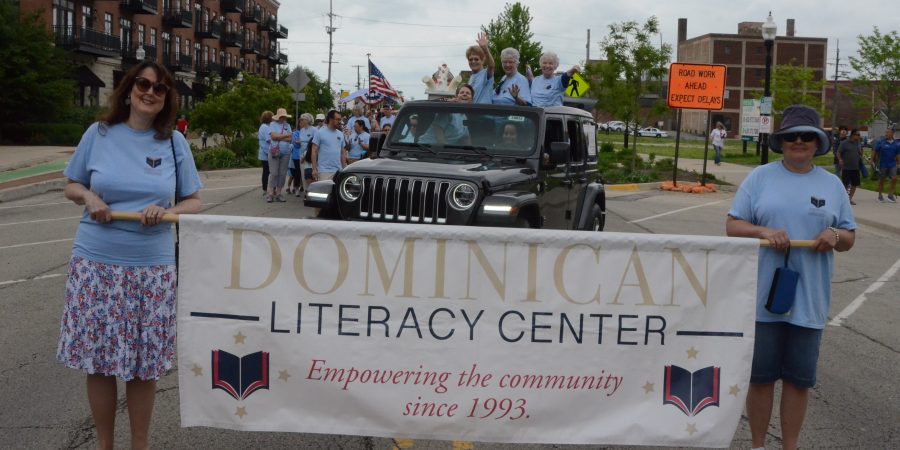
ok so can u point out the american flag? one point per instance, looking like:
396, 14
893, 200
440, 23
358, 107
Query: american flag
379, 87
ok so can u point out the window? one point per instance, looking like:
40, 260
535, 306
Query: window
727, 49
64, 16
177, 46
107, 23
187, 47
153, 37
206, 54
125, 33
141, 34
87, 17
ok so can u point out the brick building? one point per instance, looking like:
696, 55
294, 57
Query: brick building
744, 54
192, 39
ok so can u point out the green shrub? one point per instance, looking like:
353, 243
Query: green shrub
216, 158
607, 147
42, 133
246, 150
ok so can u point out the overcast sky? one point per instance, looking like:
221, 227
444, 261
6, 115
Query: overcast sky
409, 39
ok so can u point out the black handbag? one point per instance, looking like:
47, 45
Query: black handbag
784, 288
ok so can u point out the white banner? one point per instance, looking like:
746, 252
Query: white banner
480, 334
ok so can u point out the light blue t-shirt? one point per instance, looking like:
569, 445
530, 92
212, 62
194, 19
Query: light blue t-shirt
331, 144
548, 91
130, 170
281, 128
264, 139
356, 151
504, 97
453, 126
387, 120
887, 153
354, 119
482, 82
300, 140
803, 205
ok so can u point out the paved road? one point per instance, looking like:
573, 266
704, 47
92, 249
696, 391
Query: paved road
43, 405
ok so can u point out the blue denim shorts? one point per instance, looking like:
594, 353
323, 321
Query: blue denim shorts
787, 352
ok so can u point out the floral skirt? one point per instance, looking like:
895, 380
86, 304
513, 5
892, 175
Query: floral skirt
118, 320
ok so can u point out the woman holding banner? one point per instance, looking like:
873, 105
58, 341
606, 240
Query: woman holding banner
119, 319
783, 200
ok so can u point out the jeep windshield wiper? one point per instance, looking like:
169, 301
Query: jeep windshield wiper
481, 150
417, 145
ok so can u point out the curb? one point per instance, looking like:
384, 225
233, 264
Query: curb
634, 187
879, 225
20, 192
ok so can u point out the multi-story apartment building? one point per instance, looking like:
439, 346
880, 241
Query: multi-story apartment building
744, 54
194, 39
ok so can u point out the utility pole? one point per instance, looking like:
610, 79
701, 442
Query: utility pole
358, 85
330, 29
587, 46
834, 98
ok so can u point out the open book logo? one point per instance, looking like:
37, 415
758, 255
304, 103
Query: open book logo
690, 391
817, 202
154, 162
240, 376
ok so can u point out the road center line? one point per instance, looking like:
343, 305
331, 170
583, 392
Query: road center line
858, 301
676, 211
36, 243
41, 277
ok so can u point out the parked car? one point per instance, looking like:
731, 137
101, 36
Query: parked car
615, 125
653, 132
474, 164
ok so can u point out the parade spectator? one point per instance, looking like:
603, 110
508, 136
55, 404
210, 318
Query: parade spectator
718, 141
387, 117
264, 142
358, 116
513, 88
302, 138
328, 148
203, 137
887, 156
182, 125
773, 203
482, 66
279, 155
359, 144
548, 89
849, 158
119, 318
320, 121
840, 137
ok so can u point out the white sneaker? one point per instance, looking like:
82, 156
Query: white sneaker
880, 199
892, 199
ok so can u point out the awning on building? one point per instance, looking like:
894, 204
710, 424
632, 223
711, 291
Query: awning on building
85, 77
183, 89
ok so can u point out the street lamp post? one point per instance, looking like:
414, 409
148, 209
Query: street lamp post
769, 30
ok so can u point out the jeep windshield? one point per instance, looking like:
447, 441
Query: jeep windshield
465, 129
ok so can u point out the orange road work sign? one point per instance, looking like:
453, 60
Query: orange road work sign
696, 86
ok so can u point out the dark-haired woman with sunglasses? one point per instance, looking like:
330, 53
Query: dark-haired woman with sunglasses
119, 318
780, 201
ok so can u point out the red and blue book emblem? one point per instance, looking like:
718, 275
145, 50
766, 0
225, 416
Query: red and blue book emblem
240, 376
691, 392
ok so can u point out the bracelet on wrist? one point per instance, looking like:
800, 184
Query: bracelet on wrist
837, 235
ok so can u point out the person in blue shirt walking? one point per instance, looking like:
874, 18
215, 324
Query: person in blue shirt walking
119, 317
265, 141
548, 89
780, 201
300, 141
514, 88
481, 63
887, 156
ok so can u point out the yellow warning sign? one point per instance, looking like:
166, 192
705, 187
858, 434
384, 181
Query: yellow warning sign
577, 86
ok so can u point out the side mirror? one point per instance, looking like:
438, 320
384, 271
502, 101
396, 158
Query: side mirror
559, 152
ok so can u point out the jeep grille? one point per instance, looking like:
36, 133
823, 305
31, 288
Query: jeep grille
396, 199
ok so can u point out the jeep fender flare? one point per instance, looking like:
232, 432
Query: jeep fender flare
521, 204
593, 194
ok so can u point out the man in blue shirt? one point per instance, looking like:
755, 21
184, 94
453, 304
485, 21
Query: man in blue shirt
482, 78
328, 153
514, 88
887, 155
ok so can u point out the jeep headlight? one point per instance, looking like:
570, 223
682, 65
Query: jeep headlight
463, 196
351, 188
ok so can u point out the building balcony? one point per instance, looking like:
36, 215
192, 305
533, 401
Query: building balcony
229, 73
139, 6
282, 32
282, 58
232, 40
129, 53
178, 18
177, 62
251, 16
271, 24
86, 40
251, 47
273, 54
231, 6
205, 68
208, 29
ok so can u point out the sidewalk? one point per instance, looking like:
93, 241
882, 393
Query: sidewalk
27, 171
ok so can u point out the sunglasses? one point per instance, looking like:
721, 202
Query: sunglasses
144, 85
806, 136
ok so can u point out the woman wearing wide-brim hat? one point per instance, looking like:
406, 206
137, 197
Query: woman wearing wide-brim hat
783, 200
279, 154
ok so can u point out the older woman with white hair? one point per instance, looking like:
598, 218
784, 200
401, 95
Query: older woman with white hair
548, 89
301, 138
514, 88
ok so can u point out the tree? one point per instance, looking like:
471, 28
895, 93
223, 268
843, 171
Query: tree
34, 75
631, 62
878, 66
794, 85
237, 107
512, 28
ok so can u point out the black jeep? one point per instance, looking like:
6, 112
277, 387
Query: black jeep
467, 164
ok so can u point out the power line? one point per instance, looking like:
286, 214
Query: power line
365, 19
